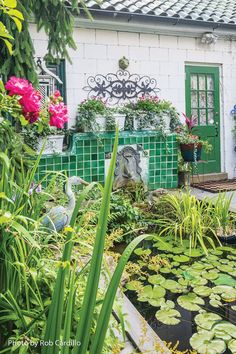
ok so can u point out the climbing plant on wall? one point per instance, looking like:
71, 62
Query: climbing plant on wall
57, 20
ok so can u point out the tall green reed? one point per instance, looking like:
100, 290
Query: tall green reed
84, 335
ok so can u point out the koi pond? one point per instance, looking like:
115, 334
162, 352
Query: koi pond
187, 297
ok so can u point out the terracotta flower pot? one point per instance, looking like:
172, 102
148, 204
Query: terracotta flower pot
191, 152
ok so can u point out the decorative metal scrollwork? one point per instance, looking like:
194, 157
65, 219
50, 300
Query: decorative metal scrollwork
121, 86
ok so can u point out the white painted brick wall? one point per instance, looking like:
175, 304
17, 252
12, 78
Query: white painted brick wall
160, 56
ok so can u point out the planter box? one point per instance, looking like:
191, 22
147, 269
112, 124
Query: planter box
101, 121
53, 145
166, 118
190, 152
120, 120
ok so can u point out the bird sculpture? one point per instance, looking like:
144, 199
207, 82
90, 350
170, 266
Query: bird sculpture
59, 216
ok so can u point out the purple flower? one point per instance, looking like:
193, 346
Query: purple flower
190, 122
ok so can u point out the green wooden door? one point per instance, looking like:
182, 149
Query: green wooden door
202, 101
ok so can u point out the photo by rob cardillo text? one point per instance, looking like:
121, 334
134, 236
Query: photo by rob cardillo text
43, 343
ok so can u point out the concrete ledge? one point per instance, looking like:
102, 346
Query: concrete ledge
139, 332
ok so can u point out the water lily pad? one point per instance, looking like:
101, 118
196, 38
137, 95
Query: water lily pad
216, 252
206, 320
165, 270
215, 303
168, 305
181, 259
225, 268
226, 292
204, 343
173, 286
145, 293
232, 346
142, 252
190, 302
156, 279
194, 253
233, 308
198, 265
134, 285
158, 292
225, 279
156, 302
202, 290
162, 246
210, 275
177, 250
175, 264
224, 330
168, 316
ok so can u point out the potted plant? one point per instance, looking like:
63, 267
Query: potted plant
154, 114
190, 145
184, 172
94, 115
224, 220
38, 120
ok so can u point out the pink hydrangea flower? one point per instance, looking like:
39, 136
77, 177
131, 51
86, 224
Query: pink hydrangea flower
31, 102
58, 115
18, 86
57, 94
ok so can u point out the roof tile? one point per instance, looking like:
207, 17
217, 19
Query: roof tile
202, 10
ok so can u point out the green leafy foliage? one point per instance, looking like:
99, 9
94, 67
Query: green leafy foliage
55, 17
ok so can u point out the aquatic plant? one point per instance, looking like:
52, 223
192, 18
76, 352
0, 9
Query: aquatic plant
200, 284
187, 218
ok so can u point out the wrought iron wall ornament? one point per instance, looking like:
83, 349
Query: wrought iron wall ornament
122, 86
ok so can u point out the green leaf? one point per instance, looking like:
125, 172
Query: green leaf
225, 279
156, 279
232, 346
134, 285
224, 330
226, 292
168, 316
206, 320
202, 290
181, 259
173, 286
158, 292
204, 343
190, 302
210, 275
10, 3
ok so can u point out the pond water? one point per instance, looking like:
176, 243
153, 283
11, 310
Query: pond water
212, 279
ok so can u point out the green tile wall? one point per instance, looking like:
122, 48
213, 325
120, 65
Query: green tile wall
86, 158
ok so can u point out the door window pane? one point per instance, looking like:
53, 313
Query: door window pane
210, 83
193, 82
194, 102
202, 100
210, 116
194, 113
202, 82
210, 99
202, 117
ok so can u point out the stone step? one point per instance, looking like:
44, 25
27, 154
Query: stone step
209, 177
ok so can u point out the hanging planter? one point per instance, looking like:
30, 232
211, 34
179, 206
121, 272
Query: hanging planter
54, 144
191, 152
